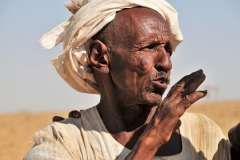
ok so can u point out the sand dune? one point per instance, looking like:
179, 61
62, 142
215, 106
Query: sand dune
17, 129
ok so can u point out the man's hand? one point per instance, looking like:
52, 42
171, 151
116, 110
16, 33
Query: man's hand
159, 130
72, 114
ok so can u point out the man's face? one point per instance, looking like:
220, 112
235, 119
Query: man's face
140, 63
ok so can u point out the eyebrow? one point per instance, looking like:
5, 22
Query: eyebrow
148, 41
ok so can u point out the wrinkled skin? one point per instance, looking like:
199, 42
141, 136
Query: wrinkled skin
135, 65
132, 74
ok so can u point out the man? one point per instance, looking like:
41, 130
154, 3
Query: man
122, 49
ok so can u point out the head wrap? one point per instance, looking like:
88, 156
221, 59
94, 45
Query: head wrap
89, 17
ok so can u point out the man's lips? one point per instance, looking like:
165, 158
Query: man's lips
160, 84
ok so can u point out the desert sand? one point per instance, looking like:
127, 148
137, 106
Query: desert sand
17, 129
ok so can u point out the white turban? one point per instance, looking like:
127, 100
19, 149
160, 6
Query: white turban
89, 17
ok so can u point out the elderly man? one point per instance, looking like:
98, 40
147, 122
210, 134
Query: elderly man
122, 49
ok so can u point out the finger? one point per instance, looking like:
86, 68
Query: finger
74, 114
175, 90
57, 118
193, 85
187, 79
188, 100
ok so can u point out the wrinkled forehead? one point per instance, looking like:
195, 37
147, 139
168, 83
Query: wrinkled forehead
140, 23
141, 15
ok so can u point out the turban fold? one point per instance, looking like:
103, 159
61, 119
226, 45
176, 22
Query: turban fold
89, 17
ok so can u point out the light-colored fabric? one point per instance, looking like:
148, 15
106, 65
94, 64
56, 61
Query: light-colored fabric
87, 138
89, 17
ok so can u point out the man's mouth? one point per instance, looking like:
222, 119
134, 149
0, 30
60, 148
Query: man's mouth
160, 85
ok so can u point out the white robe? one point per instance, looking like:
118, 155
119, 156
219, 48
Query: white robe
87, 138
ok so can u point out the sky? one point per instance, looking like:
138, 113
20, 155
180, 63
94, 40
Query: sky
28, 81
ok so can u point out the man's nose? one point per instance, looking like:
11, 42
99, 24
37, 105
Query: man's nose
164, 62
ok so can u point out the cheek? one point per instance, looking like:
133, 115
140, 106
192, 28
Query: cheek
122, 72
142, 67
132, 72
145, 64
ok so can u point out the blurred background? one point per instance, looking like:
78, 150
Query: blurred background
31, 91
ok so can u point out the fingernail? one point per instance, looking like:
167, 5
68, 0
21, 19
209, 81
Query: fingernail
204, 91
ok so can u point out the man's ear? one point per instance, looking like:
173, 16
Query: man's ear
99, 57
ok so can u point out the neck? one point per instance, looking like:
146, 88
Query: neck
124, 122
120, 118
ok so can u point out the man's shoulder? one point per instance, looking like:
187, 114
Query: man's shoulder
205, 135
57, 130
58, 139
89, 120
195, 115
197, 118
201, 123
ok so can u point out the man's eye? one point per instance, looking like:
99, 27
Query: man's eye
152, 46
168, 50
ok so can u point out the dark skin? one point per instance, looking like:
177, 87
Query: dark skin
132, 75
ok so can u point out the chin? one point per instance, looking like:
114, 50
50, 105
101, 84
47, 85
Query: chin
151, 99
